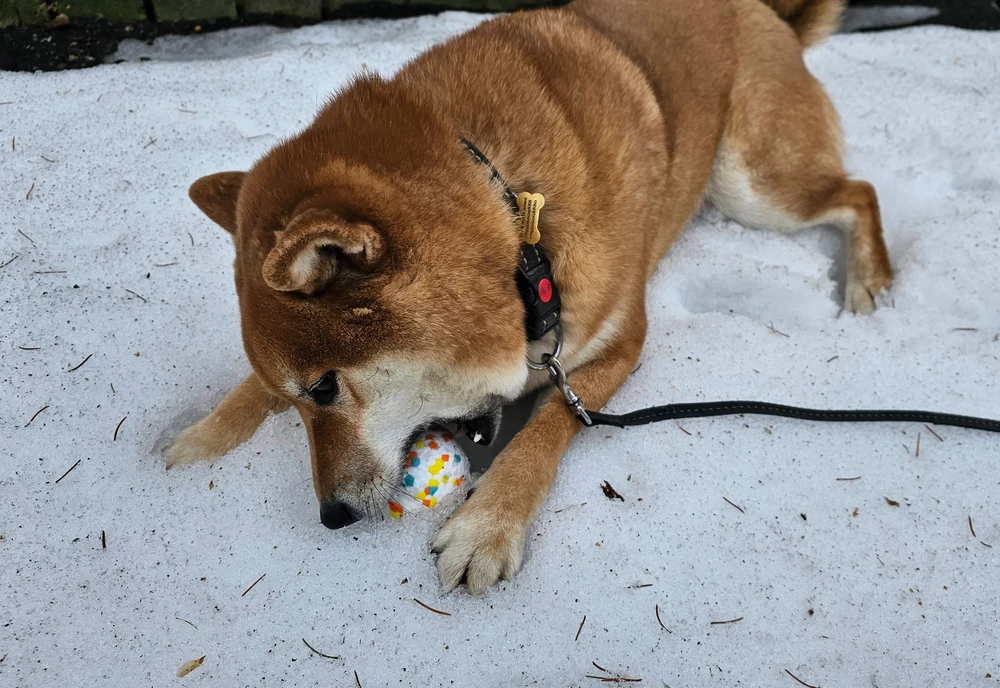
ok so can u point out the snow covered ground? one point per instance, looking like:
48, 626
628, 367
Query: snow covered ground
112, 265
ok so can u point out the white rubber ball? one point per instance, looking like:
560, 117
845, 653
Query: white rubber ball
435, 467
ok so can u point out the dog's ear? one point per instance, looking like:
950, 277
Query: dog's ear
216, 196
308, 252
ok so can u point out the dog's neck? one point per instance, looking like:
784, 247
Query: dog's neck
534, 273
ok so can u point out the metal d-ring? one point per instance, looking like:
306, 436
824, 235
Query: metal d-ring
544, 363
552, 364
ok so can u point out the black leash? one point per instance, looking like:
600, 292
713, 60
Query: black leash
656, 414
542, 310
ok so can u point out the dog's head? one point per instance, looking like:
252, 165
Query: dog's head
374, 270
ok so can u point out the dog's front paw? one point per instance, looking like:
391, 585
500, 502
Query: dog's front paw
857, 299
863, 290
480, 544
194, 444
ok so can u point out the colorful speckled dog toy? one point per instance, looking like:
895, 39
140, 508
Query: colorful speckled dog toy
435, 467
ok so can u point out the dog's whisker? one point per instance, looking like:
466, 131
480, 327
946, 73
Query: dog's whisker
423, 399
369, 508
373, 524
378, 507
381, 492
417, 515
384, 496
395, 494
401, 491
404, 493
364, 503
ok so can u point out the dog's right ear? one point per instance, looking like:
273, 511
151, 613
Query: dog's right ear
308, 254
216, 196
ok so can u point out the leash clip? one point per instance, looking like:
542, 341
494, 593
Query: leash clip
557, 373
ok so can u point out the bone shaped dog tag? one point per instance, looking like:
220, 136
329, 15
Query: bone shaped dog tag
531, 205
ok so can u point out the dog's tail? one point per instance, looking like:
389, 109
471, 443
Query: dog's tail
812, 20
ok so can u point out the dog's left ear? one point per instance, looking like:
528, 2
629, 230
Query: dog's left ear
216, 196
310, 251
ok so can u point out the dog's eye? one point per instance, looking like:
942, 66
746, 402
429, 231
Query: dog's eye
325, 390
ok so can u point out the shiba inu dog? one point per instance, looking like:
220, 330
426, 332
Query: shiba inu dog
376, 258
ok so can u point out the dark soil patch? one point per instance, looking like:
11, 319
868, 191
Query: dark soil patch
86, 42
82, 43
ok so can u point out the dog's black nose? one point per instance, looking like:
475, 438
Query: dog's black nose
335, 515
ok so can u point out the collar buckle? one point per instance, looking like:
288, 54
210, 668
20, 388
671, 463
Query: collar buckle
538, 292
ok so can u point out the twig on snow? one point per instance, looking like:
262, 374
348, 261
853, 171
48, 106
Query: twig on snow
68, 472
253, 584
931, 431
429, 608
659, 621
117, 428
799, 679
719, 623
79, 365
36, 415
777, 331
317, 651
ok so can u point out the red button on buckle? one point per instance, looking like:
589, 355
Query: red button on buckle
545, 290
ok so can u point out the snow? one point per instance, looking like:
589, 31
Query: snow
901, 596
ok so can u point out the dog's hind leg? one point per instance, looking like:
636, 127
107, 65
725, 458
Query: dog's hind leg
847, 204
779, 164
229, 425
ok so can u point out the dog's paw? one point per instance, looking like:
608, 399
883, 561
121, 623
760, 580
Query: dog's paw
861, 294
480, 544
194, 444
857, 299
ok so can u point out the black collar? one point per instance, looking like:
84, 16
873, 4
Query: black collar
534, 272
